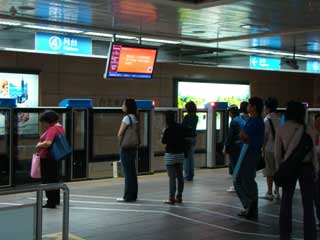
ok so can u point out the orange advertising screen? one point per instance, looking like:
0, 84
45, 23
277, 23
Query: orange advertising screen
131, 61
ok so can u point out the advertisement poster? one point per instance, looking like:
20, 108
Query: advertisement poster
25, 89
202, 93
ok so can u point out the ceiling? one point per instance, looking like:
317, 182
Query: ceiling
284, 25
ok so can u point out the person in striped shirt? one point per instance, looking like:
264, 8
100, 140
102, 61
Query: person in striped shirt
174, 138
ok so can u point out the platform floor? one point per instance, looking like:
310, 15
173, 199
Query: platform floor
208, 211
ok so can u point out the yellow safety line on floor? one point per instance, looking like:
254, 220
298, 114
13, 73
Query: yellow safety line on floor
58, 236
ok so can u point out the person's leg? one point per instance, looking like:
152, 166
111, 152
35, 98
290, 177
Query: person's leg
285, 220
125, 167
307, 186
189, 161
134, 179
179, 174
51, 172
172, 181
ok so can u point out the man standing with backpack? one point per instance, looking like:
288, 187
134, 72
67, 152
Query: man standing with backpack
271, 123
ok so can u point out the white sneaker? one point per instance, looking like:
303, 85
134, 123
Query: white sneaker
231, 189
120, 200
268, 196
277, 195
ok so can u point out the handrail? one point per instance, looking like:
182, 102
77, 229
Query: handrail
39, 189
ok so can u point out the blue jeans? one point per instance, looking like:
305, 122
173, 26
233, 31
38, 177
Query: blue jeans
175, 172
307, 186
128, 157
189, 160
245, 184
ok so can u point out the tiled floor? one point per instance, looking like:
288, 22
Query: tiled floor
208, 211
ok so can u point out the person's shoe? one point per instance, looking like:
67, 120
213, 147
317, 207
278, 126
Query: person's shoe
243, 213
231, 189
48, 206
170, 202
268, 196
120, 200
178, 200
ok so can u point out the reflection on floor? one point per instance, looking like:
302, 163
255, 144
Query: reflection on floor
208, 211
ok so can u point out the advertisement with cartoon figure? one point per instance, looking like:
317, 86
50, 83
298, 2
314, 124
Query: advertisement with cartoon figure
25, 89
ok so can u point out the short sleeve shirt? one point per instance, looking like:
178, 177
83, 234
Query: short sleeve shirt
269, 145
49, 135
254, 128
126, 119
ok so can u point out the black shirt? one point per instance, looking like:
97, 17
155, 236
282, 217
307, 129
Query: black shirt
174, 138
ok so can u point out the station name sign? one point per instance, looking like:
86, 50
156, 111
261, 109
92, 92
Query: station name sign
266, 63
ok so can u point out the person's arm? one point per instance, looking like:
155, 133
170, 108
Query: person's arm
122, 129
44, 144
164, 139
244, 137
266, 132
230, 137
49, 138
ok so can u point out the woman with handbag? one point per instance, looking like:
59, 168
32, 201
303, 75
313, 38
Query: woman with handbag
49, 166
287, 141
129, 137
190, 122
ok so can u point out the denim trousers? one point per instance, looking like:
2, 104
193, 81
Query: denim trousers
175, 173
128, 157
307, 187
189, 160
245, 185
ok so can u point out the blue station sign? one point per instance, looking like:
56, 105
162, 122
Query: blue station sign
257, 62
313, 66
59, 43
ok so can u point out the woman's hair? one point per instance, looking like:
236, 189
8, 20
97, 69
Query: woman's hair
271, 104
191, 107
296, 112
131, 106
49, 116
234, 110
243, 107
170, 117
258, 103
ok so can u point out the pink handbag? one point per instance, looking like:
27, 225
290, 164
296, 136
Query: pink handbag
35, 171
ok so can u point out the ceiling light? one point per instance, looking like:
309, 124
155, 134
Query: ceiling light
98, 34
159, 40
246, 26
125, 37
52, 29
9, 23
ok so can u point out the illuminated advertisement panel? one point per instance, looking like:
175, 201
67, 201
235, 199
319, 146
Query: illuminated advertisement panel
25, 89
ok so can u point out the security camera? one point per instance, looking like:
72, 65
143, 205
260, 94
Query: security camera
13, 11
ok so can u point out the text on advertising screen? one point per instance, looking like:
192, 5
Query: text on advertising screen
131, 62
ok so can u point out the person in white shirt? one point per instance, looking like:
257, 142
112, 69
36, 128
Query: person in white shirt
271, 123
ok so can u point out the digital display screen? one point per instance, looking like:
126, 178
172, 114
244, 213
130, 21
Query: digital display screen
131, 61
201, 93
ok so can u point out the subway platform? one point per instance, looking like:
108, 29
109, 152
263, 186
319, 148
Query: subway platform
208, 211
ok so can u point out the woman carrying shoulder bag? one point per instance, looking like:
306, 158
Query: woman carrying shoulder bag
287, 139
48, 165
129, 137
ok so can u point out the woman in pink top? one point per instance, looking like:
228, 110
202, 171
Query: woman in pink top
49, 166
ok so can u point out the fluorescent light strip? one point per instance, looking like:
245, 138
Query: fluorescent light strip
9, 23
279, 53
99, 34
125, 37
159, 40
52, 29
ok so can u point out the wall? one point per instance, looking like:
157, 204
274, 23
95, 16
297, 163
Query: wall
78, 77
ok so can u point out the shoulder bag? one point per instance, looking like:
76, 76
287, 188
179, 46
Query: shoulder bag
130, 138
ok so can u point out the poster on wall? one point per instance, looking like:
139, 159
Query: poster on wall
25, 89
203, 92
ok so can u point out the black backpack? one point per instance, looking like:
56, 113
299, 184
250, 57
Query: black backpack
288, 171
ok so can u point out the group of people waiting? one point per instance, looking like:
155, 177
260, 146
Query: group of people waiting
272, 140
249, 137
179, 140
